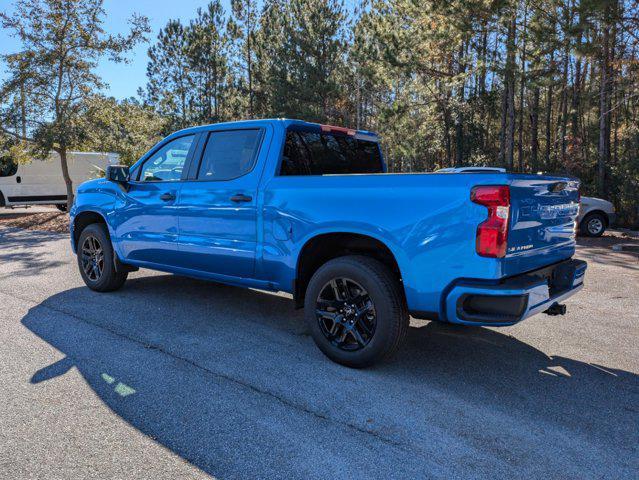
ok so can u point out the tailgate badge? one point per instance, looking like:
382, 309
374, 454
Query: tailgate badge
519, 248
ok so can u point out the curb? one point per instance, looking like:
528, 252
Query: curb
630, 247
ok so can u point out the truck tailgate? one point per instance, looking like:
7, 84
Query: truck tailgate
542, 225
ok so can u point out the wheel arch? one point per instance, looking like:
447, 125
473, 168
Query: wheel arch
327, 245
598, 212
83, 220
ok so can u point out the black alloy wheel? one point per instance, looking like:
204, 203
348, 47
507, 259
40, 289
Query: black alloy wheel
92, 258
97, 260
346, 314
356, 311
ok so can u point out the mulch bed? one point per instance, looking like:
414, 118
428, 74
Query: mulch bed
47, 221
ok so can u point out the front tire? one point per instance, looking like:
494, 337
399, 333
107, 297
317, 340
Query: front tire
356, 311
593, 225
96, 260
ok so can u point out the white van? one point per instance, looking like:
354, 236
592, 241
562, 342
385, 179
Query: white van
41, 182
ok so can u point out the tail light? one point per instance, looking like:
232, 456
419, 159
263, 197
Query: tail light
492, 233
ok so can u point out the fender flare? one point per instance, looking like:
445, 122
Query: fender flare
398, 253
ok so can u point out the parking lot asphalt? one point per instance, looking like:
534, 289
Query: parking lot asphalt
177, 378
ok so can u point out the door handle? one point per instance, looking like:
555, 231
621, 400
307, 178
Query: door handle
167, 197
18, 179
241, 198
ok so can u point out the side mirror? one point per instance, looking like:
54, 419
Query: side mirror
117, 173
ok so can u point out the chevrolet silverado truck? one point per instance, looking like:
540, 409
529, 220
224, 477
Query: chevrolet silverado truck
309, 209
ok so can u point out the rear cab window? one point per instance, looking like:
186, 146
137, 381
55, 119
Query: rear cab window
229, 154
314, 151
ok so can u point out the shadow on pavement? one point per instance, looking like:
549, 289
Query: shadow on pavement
27, 250
600, 250
212, 373
623, 259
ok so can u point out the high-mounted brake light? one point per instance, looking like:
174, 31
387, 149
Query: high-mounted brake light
332, 128
492, 233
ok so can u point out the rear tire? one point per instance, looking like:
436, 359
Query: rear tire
96, 260
593, 225
365, 329
61, 206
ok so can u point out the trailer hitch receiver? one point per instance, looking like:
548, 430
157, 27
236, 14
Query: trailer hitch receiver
556, 309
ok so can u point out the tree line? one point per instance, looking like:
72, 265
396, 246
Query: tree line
531, 85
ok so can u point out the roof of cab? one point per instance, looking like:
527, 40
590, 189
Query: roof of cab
284, 122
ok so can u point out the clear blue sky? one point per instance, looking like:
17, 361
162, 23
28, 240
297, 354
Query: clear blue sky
124, 79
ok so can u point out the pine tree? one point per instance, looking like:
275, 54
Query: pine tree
207, 50
169, 81
532, 85
243, 26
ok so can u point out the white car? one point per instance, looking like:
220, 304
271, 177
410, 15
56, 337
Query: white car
40, 181
595, 215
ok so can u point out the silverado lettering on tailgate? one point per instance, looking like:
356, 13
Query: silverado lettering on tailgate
550, 212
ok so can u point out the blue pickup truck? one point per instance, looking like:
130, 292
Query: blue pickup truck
309, 209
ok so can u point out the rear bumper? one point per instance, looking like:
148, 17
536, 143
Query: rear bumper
475, 302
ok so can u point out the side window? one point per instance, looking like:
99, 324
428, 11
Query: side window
8, 167
168, 162
314, 153
229, 154
297, 156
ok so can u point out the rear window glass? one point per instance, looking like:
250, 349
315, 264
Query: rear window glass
315, 153
229, 154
